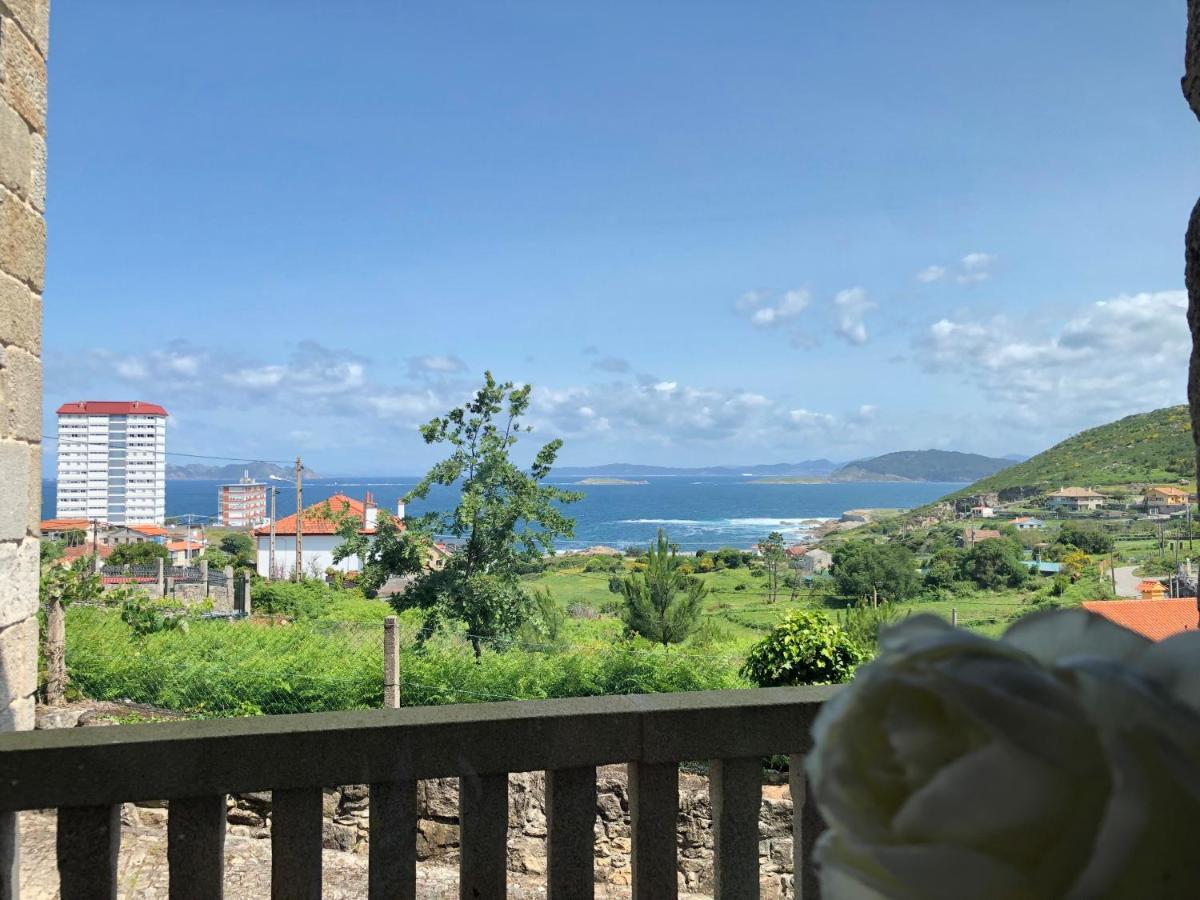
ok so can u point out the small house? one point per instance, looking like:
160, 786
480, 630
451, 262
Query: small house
816, 561
973, 536
1075, 499
1165, 501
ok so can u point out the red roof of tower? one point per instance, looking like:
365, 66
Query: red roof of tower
111, 408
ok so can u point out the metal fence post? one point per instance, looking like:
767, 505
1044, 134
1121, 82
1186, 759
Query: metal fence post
391, 664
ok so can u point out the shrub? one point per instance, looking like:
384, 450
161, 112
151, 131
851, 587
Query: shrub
806, 648
300, 599
602, 564
143, 553
1087, 538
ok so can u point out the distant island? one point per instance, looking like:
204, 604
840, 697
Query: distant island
610, 481
905, 465
260, 471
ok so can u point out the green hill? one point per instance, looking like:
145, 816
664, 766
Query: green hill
1148, 447
922, 465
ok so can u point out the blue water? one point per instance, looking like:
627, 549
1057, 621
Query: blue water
709, 512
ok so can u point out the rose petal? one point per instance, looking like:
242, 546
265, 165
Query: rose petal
1054, 635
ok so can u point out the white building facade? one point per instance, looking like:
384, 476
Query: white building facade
112, 461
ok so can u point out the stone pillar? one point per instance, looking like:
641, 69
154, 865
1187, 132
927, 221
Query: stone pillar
229, 588
24, 26
1191, 277
160, 583
246, 607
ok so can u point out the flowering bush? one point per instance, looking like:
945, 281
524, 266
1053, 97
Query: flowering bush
1062, 760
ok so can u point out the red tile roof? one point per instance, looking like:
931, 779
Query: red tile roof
111, 408
65, 525
185, 545
317, 520
1155, 619
148, 530
70, 554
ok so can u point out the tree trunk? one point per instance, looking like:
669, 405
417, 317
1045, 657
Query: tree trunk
56, 653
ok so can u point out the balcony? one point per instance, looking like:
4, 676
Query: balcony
87, 773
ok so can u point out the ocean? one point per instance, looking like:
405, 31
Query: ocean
707, 512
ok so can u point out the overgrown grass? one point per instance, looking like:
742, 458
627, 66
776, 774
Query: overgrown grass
245, 668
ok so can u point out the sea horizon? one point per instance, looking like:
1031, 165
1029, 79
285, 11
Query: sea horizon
705, 512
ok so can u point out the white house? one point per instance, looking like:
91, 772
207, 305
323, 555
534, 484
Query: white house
320, 537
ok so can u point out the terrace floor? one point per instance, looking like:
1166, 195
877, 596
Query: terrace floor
143, 868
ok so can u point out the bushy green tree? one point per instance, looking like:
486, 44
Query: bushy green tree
945, 568
1087, 538
863, 570
143, 553
505, 515
806, 648
216, 558
241, 548
996, 563
662, 603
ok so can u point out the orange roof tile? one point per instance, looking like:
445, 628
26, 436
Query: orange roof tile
317, 519
1155, 619
148, 530
70, 554
66, 524
185, 545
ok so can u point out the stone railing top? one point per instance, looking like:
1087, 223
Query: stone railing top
104, 766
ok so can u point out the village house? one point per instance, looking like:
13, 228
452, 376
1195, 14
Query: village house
973, 536
319, 537
68, 529
816, 561
1165, 501
184, 552
1027, 523
1075, 499
983, 512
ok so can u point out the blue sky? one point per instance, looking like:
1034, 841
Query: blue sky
706, 232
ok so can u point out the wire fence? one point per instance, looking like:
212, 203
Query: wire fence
244, 666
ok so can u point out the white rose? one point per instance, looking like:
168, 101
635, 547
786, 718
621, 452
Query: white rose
1062, 760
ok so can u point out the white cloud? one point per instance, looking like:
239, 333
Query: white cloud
665, 387
766, 314
1114, 357
972, 268
850, 307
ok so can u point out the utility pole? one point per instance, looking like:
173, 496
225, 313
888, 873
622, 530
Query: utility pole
95, 551
299, 520
271, 544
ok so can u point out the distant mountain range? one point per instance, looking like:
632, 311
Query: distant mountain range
809, 468
260, 471
907, 465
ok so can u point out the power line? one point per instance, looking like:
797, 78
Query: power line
77, 443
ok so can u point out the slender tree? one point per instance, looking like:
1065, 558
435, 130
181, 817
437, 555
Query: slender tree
661, 603
774, 557
59, 587
505, 515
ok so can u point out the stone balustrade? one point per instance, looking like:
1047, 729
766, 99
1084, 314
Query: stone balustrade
87, 774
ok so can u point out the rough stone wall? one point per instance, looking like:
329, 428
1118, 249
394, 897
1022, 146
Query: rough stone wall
1191, 277
24, 27
347, 827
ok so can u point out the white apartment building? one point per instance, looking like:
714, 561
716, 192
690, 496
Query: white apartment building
112, 461
242, 505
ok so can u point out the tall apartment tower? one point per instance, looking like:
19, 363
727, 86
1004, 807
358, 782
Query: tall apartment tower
112, 463
242, 505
